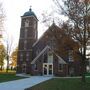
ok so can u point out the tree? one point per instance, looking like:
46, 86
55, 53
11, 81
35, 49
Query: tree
2, 55
78, 13
46, 18
9, 47
14, 58
61, 42
2, 19
2, 48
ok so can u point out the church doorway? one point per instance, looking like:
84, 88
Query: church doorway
47, 69
24, 68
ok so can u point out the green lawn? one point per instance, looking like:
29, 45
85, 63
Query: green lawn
8, 77
87, 74
63, 84
9, 71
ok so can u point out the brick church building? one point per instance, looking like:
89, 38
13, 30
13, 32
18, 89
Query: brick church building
40, 56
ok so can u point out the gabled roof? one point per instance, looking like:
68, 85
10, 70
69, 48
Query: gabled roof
52, 27
47, 47
40, 54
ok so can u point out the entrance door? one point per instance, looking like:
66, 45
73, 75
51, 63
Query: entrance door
24, 68
47, 69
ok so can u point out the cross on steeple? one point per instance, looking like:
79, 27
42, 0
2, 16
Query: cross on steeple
30, 8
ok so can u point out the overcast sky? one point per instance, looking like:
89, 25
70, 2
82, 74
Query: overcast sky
14, 9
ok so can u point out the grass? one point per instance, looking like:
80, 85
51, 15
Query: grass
63, 84
9, 71
87, 74
11, 75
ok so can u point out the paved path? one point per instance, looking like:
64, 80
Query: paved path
23, 83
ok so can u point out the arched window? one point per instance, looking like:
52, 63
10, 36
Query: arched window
25, 33
50, 57
21, 57
60, 67
27, 56
37, 51
25, 44
35, 66
26, 23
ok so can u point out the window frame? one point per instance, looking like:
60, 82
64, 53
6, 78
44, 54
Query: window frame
60, 67
70, 56
35, 67
21, 57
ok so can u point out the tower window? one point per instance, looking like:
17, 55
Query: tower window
35, 34
22, 33
25, 33
27, 56
26, 23
25, 44
35, 24
21, 57
27, 59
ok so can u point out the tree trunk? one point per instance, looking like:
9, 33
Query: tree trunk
1, 67
84, 53
7, 64
83, 69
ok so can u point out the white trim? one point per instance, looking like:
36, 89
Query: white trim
47, 47
61, 61
48, 69
40, 54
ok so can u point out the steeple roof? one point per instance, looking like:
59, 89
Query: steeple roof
29, 13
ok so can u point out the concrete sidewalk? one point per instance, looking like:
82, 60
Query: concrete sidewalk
23, 83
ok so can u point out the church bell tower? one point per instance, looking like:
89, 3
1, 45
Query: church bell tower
28, 36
